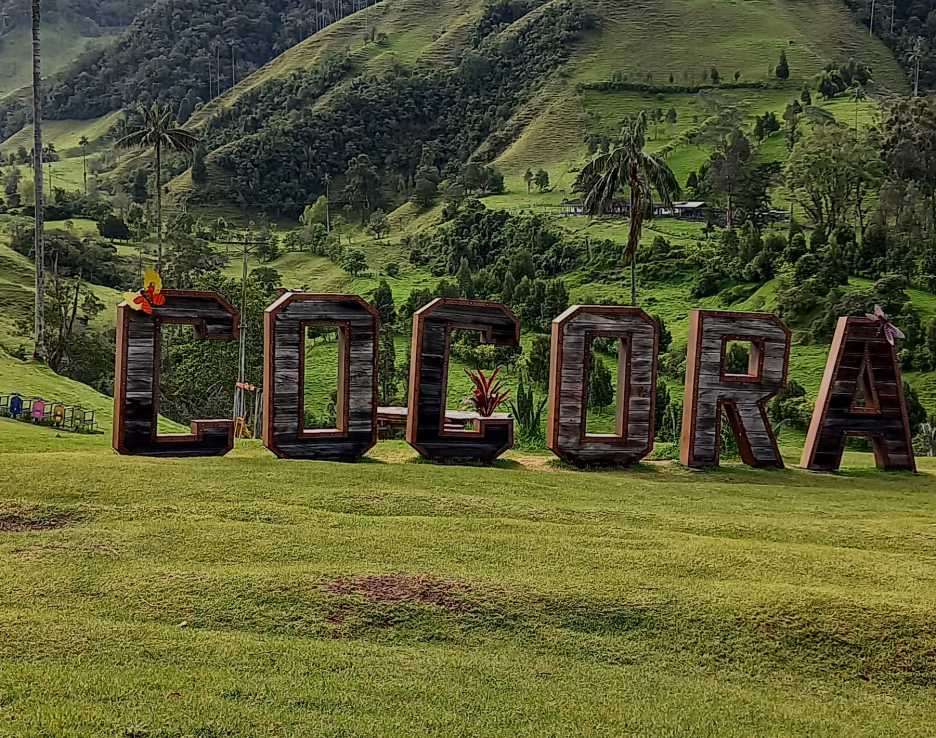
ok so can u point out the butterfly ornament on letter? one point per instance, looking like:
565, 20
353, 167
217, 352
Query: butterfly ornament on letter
891, 331
150, 296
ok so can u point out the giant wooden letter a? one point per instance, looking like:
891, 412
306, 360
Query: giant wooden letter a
861, 395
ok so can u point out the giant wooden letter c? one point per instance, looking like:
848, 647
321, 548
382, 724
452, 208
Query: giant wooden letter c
285, 324
637, 336
136, 380
710, 387
861, 362
426, 428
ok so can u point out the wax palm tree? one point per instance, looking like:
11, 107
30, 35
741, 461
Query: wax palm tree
83, 143
857, 93
642, 173
39, 352
915, 58
157, 127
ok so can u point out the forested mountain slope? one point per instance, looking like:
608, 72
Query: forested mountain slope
180, 51
467, 80
70, 27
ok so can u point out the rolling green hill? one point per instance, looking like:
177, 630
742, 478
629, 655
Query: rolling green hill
65, 41
643, 41
248, 596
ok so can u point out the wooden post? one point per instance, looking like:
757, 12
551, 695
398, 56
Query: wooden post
136, 377
285, 323
428, 387
710, 388
638, 337
861, 395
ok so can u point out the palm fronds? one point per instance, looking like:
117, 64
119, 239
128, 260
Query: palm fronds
157, 126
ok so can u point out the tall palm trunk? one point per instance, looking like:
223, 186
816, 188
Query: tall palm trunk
159, 242
633, 238
39, 351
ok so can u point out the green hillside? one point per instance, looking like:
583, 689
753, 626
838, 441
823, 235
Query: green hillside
642, 41
247, 596
403, 150
64, 40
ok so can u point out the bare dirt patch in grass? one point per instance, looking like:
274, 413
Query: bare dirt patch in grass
24, 520
419, 589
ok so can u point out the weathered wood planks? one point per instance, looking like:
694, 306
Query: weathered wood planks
710, 389
573, 333
862, 363
285, 323
432, 332
136, 375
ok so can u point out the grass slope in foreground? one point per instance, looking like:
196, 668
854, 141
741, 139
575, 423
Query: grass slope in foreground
248, 596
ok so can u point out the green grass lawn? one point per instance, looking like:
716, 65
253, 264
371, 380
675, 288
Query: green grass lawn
247, 596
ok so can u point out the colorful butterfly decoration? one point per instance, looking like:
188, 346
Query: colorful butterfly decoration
891, 331
150, 296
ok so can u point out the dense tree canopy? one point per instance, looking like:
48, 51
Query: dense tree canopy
182, 52
401, 120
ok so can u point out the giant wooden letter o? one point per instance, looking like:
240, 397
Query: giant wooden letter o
426, 428
638, 344
710, 387
136, 380
862, 366
285, 324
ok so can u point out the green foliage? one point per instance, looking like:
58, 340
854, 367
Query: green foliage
269, 248
199, 169
379, 224
467, 348
134, 69
835, 80
668, 415
362, 185
527, 413
915, 410
406, 114
114, 228
766, 124
791, 407
388, 380
783, 67
190, 260
489, 253
315, 214
487, 180
541, 179
382, 300
831, 171
536, 363
426, 187
198, 376
600, 384
354, 262
92, 259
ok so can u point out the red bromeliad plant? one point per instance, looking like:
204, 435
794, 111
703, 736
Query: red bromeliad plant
489, 393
